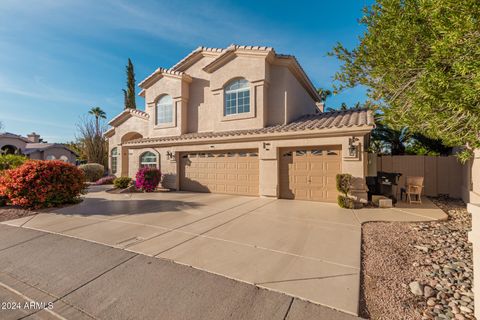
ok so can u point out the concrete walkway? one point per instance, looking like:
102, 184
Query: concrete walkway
85, 280
308, 250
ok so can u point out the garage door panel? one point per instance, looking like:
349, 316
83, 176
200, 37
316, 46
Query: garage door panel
309, 173
234, 172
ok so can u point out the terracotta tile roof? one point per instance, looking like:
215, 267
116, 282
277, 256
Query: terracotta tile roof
161, 71
356, 118
12, 135
198, 50
42, 146
129, 112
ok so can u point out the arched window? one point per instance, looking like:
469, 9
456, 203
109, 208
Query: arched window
237, 97
114, 160
50, 157
148, 159
64, 158
165, 110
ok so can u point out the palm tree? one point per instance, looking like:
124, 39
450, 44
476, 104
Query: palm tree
324, 94
395, 140
343, 106
99, 114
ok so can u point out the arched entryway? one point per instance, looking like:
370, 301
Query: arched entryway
125, 161
9, 149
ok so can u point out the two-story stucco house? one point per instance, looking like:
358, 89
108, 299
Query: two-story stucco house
241, 120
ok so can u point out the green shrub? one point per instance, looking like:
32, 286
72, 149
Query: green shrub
40, 184
345, 202
92, 171
344, 183
122, 182
11, 161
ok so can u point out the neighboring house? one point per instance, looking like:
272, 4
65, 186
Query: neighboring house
241, 120
33, 147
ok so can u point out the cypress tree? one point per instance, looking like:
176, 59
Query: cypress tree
129, 94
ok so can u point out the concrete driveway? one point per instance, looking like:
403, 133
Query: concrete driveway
308, 250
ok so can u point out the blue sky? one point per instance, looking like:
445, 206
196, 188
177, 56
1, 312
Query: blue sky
60, 58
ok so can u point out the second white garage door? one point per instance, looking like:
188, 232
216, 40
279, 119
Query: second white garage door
232, 172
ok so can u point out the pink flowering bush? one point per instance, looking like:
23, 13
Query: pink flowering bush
40, 184
147, 179
105, 180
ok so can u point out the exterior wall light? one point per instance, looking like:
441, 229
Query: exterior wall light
170, 155
266, 146
352, 147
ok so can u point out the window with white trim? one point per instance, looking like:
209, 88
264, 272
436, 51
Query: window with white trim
165, 110
148, 159
64, 158
50, 157
114, 160
237, 97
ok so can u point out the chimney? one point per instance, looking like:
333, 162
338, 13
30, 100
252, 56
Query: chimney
33, 137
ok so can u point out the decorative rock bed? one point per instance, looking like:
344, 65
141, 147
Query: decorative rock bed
419, 270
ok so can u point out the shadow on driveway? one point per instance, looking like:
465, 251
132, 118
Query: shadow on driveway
116, 207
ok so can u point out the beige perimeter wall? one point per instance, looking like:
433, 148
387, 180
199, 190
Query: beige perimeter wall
443, 175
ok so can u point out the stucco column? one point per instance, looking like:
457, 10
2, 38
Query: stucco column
356, 167
259, 90
181, 105
474, 237
268, 170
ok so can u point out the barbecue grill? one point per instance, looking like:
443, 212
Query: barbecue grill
385, 184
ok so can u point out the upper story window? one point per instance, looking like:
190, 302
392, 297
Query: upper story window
165, 110
237, 97
114, 154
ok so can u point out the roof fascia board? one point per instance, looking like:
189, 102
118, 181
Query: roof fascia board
266, 136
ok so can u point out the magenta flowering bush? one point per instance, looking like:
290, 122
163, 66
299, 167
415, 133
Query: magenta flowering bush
105, 180
147, 179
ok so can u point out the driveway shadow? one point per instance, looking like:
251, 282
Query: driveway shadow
111, 208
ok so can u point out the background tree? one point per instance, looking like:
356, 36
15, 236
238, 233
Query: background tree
129, 93
324, 94
78, 146
387, 140
91, 138
420, 59
98, 113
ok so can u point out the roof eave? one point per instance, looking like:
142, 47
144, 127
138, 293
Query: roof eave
328, 132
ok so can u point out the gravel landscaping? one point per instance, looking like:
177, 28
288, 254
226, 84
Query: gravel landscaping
418, 270
10, 213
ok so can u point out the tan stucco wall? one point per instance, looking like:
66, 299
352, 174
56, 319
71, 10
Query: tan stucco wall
288, 94
268, 157
57, 153
200, 103
129, 127
179, 91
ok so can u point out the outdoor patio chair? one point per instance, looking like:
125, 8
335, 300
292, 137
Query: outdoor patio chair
414, 186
